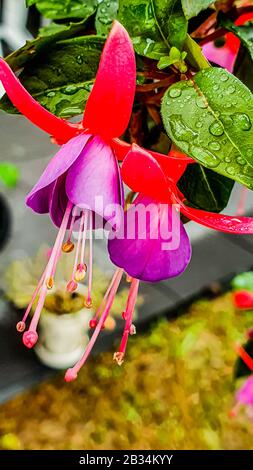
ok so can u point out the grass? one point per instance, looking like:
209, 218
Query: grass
174, 391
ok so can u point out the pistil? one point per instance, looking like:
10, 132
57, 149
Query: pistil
71, 373
129, 327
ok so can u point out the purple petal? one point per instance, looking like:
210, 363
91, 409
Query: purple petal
245, 394
152, 254
58, 201
37, 199
94, 181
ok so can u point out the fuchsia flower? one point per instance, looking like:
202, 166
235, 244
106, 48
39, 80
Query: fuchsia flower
225, 56
85, 167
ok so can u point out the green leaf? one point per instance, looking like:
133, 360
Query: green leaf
244, 33
210, 119
175, 57
194, 7
154, 25
33, 48
243, 68
195, 56
243, 281
106, 13
205, 189
9, 174
241, 369
61, 9
30, 2
60, 78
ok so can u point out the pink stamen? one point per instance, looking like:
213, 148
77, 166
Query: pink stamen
68, 246
71, 227
101, 306
129, 327
85, 226
72, 281
71, 373
21, 325
89, 300
30, 337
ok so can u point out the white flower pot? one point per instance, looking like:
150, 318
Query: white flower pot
62, 338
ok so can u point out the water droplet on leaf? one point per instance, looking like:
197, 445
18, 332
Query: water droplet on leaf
204, 156
224, 77
175, 92
201, 102
231, 89
214, 145
230, 170
216, 129
242, 121
240, 161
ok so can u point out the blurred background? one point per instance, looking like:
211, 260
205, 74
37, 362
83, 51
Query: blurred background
176, 388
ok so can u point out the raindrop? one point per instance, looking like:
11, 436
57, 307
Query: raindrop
74, 110
249, 153
227, 121
199, 124
204, 156
216, 87
230, 170
240, 161
227, 159
79, 59
180, 130
216, 129
231, 89
214, 145
224, 77
242, 121
70, 90
248, 170
175, 92
201, 102
51, 94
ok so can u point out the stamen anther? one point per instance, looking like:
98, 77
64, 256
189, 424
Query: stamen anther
20, 326
128, 278
71, 286
88, 303
132, 330
119, 358
50, 283
80, 272
68, 246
